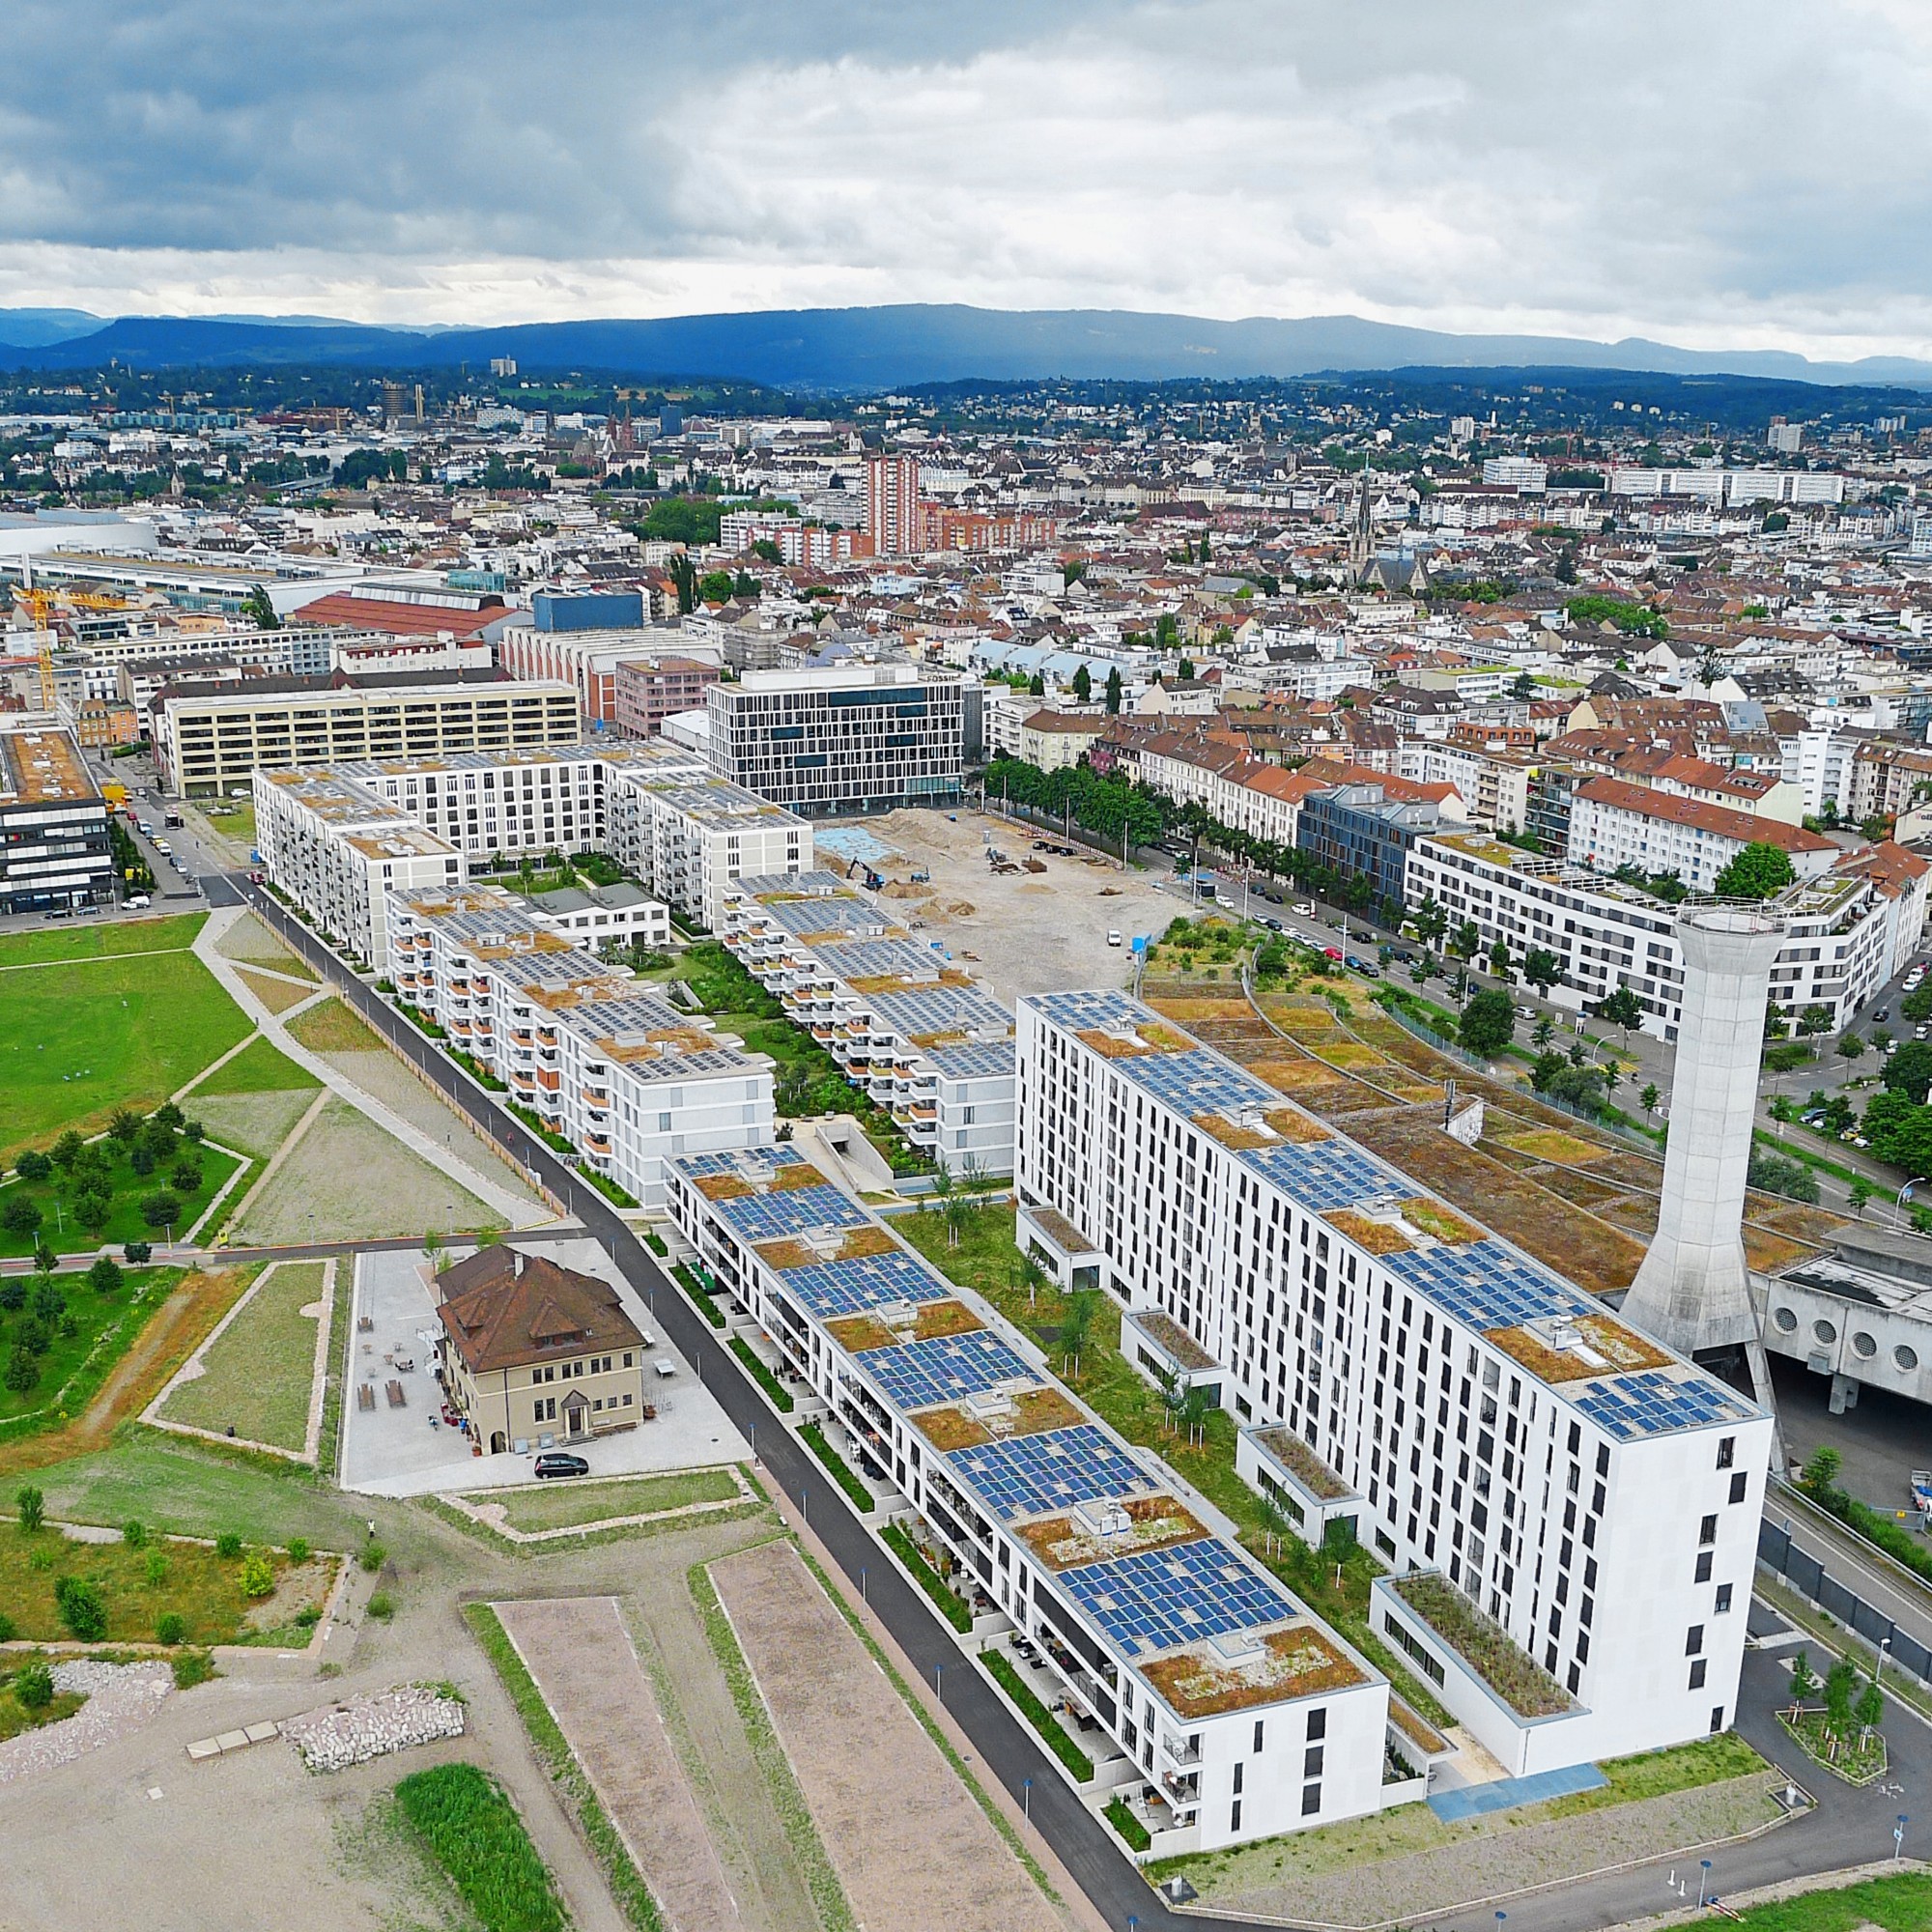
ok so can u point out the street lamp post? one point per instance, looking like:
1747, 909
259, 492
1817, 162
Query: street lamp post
1704, 1881
1026, 1800
1898, 1835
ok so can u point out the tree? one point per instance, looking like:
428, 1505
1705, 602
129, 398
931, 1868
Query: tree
1469, 940
1850, 1045
1900, 1132
1623, 1009
1869, 1709
1036, 686
1273, 1521
21, 1215
1186, 671
186, 1174
1803, 1684
1858, 1194
1760, 871
1487, 1024
161, 1210
66, 1151
767, 550
1648, 1100
1814, 1020
260, 610
715, 586
684, 576
1818, 1473
33, 1165
1841, 1682
1083, 685
1114, 692
1076, 1327
1499, 961
23, 1369
104, 1277
30, 1505
1542, 969
1909, 1070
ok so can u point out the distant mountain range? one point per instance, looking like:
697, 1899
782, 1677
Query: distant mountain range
886, 348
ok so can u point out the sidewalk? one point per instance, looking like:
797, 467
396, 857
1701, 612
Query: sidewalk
515, 1212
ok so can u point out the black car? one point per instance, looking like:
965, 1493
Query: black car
560, 1463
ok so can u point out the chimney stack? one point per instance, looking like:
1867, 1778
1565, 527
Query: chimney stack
1693, 1287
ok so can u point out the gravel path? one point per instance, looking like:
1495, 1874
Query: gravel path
121, 1697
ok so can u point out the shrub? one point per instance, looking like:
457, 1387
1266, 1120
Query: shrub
161, 1210
32, 1505
228, 1545
158, 1569
8, 1629
104, 1277
373, 1556
843, 1474
81, 1608
12, 1295
141, 1158
22, 1371
258, 1574
193, 1667
298, 1549
779, 1394
133, 1533
171, 1627
382, 1606
33, 1165
46, 1302
1001, 1669
186, 1174
952, 1605
21, 1215
33, 1687
1133, 1832
136, 1253
308, 1616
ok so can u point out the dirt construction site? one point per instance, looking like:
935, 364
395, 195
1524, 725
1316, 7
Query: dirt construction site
1023, 931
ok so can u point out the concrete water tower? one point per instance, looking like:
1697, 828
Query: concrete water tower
1693, 1287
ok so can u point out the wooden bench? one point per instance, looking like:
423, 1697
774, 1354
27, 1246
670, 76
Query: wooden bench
395, 1390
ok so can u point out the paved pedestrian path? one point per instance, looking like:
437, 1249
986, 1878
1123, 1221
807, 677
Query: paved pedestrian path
512, 1208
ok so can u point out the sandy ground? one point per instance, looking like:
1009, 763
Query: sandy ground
345, 1181
384, 1079
1028, 932
911, 1847
580, 1653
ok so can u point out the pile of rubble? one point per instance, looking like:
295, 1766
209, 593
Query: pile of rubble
340, 1735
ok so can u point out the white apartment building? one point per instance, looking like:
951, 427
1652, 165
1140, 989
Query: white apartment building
1203, 1677
1847, 933
1495, 783
211, 742
908, 1027
1234, 787
1613, 823
614, 1068
1533, 1470
1524, 473
338, 848
826, 742
693, 840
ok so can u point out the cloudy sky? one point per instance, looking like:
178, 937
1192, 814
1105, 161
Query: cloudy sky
1699, 171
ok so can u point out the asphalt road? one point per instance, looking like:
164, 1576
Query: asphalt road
1849, 1827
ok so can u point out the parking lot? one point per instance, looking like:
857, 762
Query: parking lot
396, 1451
1020, 932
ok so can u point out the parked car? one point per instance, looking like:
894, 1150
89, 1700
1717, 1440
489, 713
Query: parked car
1114, 939
1880, 1017
560, 1463
1304, 909
1331, 952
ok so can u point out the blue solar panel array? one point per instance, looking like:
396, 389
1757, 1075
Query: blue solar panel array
1026, 1475
1650, 1404
1487, 1285
917, 1375
1162, 1598
701, 1166
790, 1210
832, 1289
1325, 1174
1198, 1081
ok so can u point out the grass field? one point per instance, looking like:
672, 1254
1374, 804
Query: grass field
15, 1717
125, 1221
260, 1371
277, 995
330, 1027
82, 1036
563, 1505
187, 1579
174, 934
107, 1322
260, 1067
1901, 1904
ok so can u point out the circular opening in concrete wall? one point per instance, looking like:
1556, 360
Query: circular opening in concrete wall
1786, 1319
1865, 1345
1825, 1331
1905, 1357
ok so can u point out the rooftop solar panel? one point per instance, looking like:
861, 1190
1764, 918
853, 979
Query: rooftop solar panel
1651, 1403
1160, 1598
832, 1289
766, 1217
1027, 1475
917, 1375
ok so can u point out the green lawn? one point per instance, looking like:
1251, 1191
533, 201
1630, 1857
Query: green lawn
464, 1820
1901, 1904
1657, 1773
125, 1221
175, 934
81, 1038
170, 1484
260, 1067
562, 1505
71, 1369
14, 1717
259, 1373
330, 1027
186, 1578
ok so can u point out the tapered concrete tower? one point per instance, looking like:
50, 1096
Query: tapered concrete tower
1693, 1287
